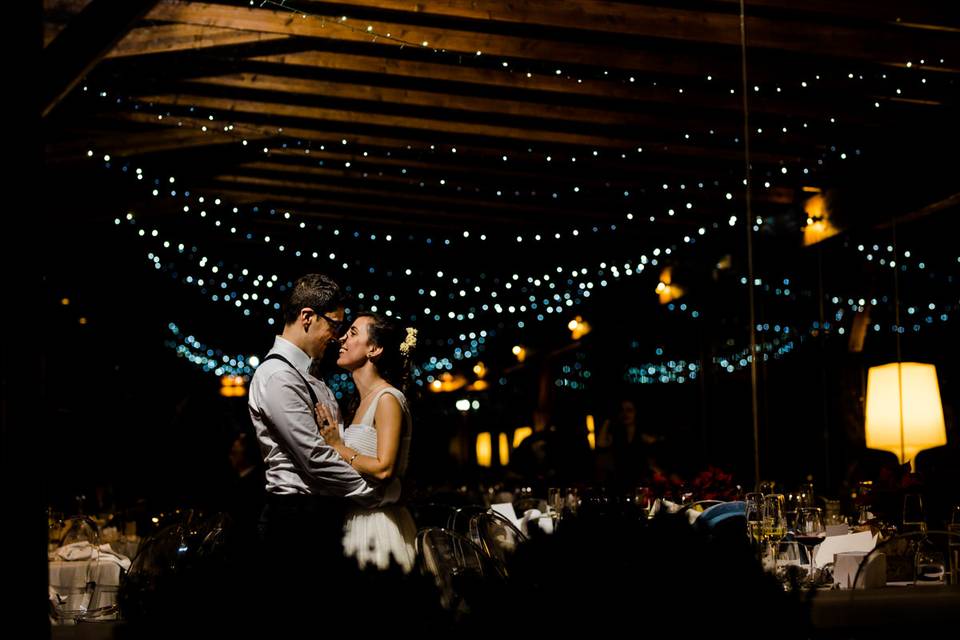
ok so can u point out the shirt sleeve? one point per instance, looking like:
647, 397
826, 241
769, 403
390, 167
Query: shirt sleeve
287, 407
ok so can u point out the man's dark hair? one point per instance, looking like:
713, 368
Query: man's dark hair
314, 290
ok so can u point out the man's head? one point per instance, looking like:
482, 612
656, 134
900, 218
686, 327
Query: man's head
313, 313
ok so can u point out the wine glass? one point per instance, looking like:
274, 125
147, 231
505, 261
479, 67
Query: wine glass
806, 496
555, 503
953, 544
643, 499
810, 533
753, 512
774, 518
767, 486
914, 520
787, 563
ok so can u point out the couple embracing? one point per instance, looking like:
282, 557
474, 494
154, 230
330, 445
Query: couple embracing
333, 486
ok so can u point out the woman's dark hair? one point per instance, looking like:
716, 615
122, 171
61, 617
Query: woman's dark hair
392, 364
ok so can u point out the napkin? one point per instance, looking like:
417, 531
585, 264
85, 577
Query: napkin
85, 551
534, 518
832, 545
506, 510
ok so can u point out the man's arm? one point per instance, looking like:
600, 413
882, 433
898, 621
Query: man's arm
287, 407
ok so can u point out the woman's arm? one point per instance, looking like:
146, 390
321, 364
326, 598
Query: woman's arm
389, 422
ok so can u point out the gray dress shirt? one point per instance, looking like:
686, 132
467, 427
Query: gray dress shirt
298, 460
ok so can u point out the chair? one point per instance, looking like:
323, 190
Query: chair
177, 562
75, 570
724, 520
461, 520
430, 514
463, 573
499, 538
700, 505
908, 556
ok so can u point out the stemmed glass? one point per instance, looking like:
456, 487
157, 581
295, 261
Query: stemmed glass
555, 499
753, 512
810, 533
774, 518
914, 519
953, 544
643, 500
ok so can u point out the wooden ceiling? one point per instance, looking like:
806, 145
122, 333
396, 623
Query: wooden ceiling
614, 126
558, 79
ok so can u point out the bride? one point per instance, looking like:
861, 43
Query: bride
377, 441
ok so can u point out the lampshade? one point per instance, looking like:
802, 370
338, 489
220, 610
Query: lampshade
504, 450
484, 449
520, 434
919, 406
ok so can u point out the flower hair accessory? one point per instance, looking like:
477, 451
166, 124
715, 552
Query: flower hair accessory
409, 342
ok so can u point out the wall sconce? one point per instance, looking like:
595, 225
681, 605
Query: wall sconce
668, 291
233, 386
579, 328
484, 449
479, 370
818, 226
447, 382
520, 434
504, 450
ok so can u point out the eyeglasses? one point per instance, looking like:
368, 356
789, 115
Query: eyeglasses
336, 325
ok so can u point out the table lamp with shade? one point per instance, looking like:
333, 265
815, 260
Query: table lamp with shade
904, 414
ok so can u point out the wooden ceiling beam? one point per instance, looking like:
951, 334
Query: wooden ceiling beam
468, 202
647, 20
926, 16
385, 95
246, 122
450, 40
321, 207
83, 43
594, 189
167, 38
233, 106
719, 28
135, 144
537, 87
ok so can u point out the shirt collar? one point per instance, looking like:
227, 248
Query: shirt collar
297, 356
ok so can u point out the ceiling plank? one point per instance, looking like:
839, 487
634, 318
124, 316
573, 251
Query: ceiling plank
83, 43
347, 90
246, 122
168, 38
722, 28
136, 144
549, 88
233, 106
476, 201
465, 42
592, 186
314, 206
645, 19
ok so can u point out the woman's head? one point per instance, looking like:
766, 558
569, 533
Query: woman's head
375, 339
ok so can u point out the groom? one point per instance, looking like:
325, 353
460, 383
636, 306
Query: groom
306, 480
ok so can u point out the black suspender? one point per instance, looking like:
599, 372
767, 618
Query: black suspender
313, 394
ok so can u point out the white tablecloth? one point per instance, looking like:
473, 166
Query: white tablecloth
68, 580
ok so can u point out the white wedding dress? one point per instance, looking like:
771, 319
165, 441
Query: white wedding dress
377, 536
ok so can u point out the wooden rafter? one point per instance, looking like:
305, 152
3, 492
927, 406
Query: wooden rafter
83, 43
